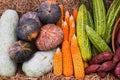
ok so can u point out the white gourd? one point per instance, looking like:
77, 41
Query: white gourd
39, 64
8, 24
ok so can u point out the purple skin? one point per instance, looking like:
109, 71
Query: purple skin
102, 74
104, 56
117, 70
32, 15
116, 57
92, 68
107, 66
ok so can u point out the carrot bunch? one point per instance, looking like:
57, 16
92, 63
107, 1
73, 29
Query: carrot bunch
71, 61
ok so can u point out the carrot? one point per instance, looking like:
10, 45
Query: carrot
67, 59
59, 23
75, 12
65, 30
67, 15
72, 27
85, 64
77, 59
57, 67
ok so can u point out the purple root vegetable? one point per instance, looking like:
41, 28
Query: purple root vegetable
116, 57
92, 68
104, 56
107, 66
102, 74
117, 70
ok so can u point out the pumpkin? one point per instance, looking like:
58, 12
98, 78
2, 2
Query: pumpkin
28, 30
49, 12
50, 37
32, 15
21, 51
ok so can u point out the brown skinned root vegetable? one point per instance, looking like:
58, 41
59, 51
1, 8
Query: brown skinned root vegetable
102, 74
116, 57
107, 66
117, 70
104, 56
92, 68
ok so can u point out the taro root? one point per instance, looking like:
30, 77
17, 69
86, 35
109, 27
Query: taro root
21, 51
116, 36
50, 37
32, 15
28, 30
49, 12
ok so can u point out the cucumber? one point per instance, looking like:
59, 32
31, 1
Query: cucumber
112, 14
8, 23
96, 40
99, 16
83, 40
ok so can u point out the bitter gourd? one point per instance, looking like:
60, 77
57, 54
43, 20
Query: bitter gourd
96, 40
99, 16
83, 40
112, 13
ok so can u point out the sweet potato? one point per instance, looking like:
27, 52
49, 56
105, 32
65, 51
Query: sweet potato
116, 57
92, 68
104, 56
107, 66
102, 74
117, 70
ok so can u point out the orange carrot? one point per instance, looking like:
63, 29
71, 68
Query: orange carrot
85, 64
57, 68
67, 15
67, 59
75, 12
72, 27
65, 30
59, 23
77, 59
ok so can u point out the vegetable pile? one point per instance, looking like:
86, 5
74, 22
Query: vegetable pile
52, 39
105, 62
